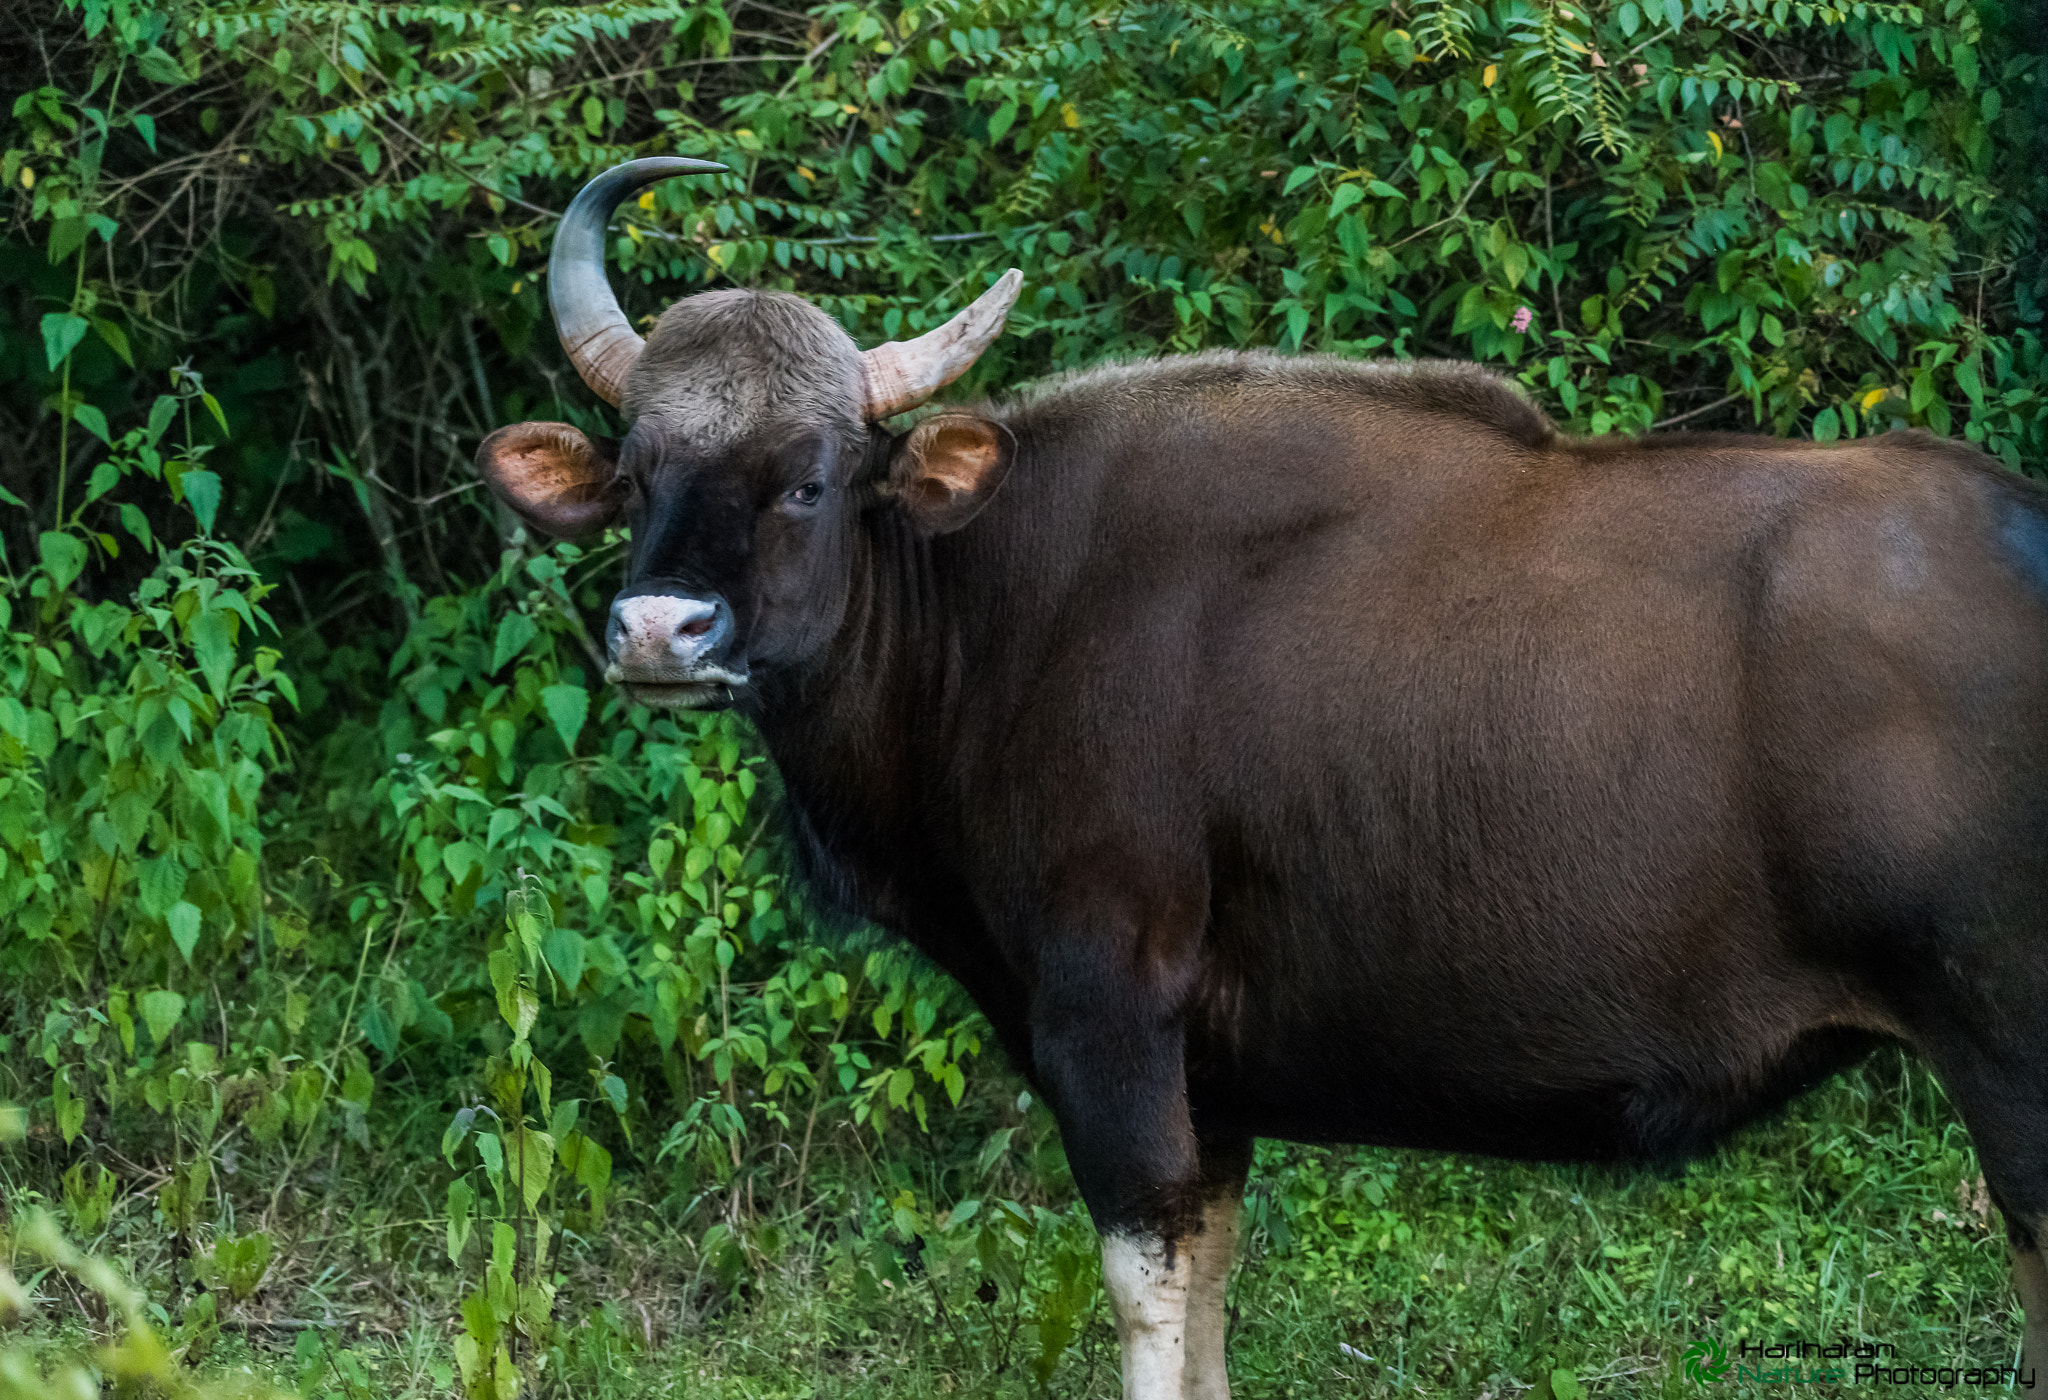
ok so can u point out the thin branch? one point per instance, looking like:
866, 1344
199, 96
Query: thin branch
1696, 412
465, 174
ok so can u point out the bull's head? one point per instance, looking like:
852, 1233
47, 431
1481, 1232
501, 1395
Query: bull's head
754, 449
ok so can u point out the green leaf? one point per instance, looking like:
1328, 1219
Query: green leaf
379, 1029
66, 236
61, 333
210, 790
135, 522
160, 884
184, 919
1514, 263
1000, 121
1347, 195
1300, 176
593, 1170
567, 706
160, 1012
564, 951
93, 421
70, 1110
116, 339
600, 1024
461, 857
160, 415
105, 477
202, 493
1964, 59
244, 1263
1969, 378
160, 67
536, 1165
515, 630
458, 1129
560, 1124
358, 1084
213, 645
63, 555
461, 1216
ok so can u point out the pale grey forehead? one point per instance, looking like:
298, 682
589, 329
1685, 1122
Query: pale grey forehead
720, 365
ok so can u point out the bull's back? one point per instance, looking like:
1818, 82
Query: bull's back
1620, 790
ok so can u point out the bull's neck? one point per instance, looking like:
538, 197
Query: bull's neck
853, 737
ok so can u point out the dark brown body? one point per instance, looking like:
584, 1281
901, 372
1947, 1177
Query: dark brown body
1398, 772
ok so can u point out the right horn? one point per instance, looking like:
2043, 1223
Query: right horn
904, 373
601, 342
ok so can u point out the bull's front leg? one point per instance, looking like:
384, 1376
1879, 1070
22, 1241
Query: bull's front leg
1109, 1053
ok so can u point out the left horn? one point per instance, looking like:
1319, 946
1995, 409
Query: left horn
601, 342
903, 374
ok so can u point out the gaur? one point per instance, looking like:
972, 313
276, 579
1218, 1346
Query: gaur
1338, 751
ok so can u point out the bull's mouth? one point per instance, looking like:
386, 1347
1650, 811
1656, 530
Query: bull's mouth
693, 695
711, 688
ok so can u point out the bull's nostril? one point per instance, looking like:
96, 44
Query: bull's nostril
695, 629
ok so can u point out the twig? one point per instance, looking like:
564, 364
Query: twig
1550, 246
225, 148
1478, 179
385, 486
1696, 412
464, 173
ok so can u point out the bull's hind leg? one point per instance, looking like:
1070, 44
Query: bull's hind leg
1214, 1250
2030, 1277
2007, 1115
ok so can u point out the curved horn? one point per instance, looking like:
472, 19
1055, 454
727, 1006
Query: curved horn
904, 373
601, 343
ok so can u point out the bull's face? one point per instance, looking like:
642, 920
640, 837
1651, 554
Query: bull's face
752, 458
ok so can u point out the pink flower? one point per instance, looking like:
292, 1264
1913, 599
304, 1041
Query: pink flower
1524, 317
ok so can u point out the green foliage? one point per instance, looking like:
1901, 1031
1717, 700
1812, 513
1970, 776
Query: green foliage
136, 1362
1810, 218
135, 739
334, 887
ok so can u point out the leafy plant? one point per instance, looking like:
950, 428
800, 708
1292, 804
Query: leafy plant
321, 844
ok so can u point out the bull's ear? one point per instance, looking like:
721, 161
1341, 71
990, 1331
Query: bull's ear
946, 469
558, 480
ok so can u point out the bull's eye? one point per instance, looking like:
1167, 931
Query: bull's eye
808, 493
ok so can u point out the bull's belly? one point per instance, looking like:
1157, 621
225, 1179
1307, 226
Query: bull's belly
1643, 1100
